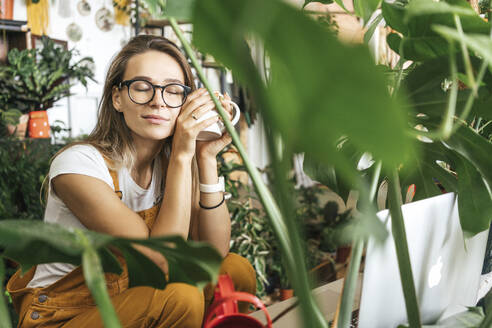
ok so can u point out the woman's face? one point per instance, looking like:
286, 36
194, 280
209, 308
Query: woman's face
153, 120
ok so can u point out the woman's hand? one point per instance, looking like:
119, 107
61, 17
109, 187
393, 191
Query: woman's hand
187, 125
210, 149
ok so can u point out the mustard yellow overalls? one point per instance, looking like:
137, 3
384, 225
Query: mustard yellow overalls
68, 302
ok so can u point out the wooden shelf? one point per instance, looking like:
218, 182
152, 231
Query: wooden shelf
153, 23
13, 34
13, 25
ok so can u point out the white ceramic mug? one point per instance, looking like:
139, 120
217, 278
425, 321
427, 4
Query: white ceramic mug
216, 130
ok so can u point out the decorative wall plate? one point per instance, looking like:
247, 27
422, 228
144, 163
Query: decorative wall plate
104, 19
74, 32
84, 8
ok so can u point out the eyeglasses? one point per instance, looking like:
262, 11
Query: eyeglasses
142, 92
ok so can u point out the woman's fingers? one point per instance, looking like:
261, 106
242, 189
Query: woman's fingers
200, 101
202, 110
205, 123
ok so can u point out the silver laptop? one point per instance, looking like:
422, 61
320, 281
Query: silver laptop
446, 267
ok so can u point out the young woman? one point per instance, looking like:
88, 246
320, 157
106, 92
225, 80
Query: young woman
140, 173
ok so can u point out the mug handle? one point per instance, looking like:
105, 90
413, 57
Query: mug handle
237, 114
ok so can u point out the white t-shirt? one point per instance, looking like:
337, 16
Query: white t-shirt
87, 160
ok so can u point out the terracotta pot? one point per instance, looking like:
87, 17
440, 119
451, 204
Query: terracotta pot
285, 294
19, 130
6, 9
343, 253
39, 126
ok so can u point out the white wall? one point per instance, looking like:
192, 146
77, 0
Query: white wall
80, 110
101, 46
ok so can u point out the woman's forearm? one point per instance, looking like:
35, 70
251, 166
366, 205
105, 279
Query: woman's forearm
174, 215
214, 225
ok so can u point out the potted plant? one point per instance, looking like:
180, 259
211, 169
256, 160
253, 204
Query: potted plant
34, 79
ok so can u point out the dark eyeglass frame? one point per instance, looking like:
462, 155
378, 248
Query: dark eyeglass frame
187, 90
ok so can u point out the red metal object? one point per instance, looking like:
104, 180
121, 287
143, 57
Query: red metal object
223, 313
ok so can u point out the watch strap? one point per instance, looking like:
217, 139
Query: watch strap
209, 188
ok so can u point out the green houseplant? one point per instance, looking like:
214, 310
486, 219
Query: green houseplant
33, 79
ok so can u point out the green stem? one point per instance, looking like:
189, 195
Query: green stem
295, 270
265, 195
483, 126
4, 311
95, 281
447, 122
399, 67
401, 246
289, 247
487, 321
464, 49
350, 282
471, 97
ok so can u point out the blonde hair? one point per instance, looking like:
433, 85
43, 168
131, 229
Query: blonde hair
111, 136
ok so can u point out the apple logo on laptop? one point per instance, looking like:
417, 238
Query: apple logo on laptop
435, 273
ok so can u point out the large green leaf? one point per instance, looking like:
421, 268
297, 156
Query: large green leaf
474, 200
393, 14
314, 101
424, 172
467, 319
481, 44
440, 13
420, 48
365, 8
415, 20
200, 266
4, 311
426, 7
424, 87
180, 9
144, 270
474, 148
33, 242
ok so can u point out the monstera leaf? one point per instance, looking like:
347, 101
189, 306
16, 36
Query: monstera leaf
4, 311
415, 20
33, 242
426, 89
425, 172
306, 103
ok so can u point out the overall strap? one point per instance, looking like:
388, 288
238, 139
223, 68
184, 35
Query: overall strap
114, 176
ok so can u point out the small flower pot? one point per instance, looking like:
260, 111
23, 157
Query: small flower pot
6, 9
20, 129
39, 126
343, 253
285, 294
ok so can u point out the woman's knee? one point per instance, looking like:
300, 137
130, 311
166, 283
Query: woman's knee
181, 305
241, 272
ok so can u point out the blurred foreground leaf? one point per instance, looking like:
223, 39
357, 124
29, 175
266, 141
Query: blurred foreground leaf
311, 99
30, 243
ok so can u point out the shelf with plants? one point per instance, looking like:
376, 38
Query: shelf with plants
34, 79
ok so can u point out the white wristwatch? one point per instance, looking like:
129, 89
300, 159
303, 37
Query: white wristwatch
209, 188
